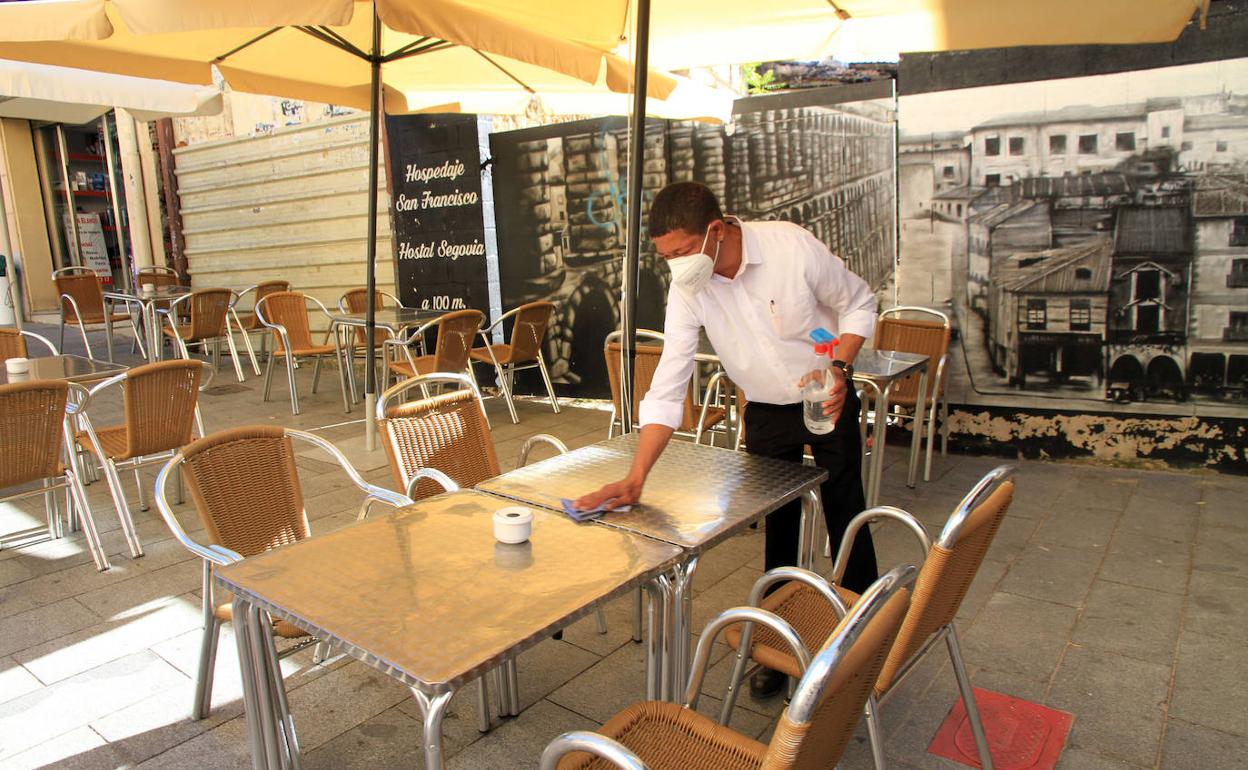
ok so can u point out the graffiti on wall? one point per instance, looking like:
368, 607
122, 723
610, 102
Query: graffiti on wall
1089, 236
561, 234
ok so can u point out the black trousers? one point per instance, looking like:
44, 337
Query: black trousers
778, 431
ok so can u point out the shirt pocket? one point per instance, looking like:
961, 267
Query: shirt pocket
794, 317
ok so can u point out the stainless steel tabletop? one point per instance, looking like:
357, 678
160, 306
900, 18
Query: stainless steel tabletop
695, 497
163, 293
426, 594
885, 365
394, 318
70, 368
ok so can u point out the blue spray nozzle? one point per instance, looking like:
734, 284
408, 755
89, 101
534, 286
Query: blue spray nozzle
825, 341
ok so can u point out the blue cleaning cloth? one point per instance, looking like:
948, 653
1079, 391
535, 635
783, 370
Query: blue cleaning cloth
569, 508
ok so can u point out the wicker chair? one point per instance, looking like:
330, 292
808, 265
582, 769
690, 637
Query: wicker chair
209, 319
810, 604
930, 338
82, 305
34, 435
13, 343
286, 313
157, 276
813, 730
696, 420
524, 351
356, 301
161, 403
246, 489
456, 332
247, 323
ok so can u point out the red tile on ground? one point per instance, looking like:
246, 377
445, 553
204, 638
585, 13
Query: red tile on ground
1021, 735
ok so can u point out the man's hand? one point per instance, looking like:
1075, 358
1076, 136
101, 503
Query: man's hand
626, 491
836, 390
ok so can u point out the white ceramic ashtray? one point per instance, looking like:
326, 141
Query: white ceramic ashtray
149, 290
17, 365
513, 524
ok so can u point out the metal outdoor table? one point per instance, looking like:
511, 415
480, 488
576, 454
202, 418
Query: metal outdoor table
393, 319
147, 311
696, 497
426, 595
68, 367
881, 370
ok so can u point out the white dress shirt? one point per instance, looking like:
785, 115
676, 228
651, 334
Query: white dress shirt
759, 321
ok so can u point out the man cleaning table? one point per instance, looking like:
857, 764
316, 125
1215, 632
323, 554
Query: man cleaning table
759, 289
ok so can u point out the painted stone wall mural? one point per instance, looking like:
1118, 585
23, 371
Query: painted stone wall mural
561, 194
1089, 237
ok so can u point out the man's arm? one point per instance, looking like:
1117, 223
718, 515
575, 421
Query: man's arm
650, 444
838, 288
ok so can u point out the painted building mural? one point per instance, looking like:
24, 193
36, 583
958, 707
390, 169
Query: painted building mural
561, 232
1090, 238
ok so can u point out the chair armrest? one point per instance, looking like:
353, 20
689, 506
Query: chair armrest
74, 304
748, 616
387, 496
541, 438
886, 512
592, 743
804, 576
500, 319
214, 554
85, 396
448, 484
47, 342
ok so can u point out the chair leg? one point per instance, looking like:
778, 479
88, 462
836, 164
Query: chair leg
138, 485
86, 522
550, 388
82, 329
61, 347
202, 704
931, 442
290, 379
123, 508
138, 338
233, 350
734, 685
602, 620
316, 374
968, 699
875, 732
268, 377
944, 427
506, 388
251, 351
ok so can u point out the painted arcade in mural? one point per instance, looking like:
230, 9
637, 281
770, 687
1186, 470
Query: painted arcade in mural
1090, 236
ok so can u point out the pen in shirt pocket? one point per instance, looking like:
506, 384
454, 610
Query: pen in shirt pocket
775, 317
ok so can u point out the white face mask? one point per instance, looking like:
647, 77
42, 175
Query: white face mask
692, 271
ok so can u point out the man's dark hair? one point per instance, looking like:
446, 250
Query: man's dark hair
688, 206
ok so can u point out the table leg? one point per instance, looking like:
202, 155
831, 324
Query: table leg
916, 439
432, 709
879, 439
812, 510
108, 328
251, 688
287, 740
682, 611
483, 702
658, 652
637, 615
155, 349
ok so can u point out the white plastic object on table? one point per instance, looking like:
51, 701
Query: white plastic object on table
513, 524
17, 365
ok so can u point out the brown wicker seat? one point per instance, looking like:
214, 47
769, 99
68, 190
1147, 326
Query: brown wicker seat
161, 403
13, 343
456, 332
209, 322
33, 434
695, 421
523, 351
812, 732
82, 305
247, 322
286, 313
245, 487
949, 568
928, 336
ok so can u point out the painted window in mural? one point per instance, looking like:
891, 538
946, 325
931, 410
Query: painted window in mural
828, 168
1101, 262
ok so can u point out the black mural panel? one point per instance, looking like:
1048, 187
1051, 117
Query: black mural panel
439, 233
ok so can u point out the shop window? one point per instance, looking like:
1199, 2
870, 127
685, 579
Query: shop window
1057, 144
1080, 315
1124, 141
1017, 145
1037, 314
1239, 231
992, 145
992, 180
1087, 144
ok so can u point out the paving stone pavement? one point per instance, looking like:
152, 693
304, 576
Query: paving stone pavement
1115, 594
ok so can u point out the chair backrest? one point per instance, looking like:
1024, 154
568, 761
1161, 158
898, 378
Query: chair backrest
645, 363
288, 309
209, 309
261, 290
83, 285
949, 569
32, 417
160, 401
529, 330
246, 488
12, 344
356, 301
928, 336
819, 722
447, 432
157, 276
456, 333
